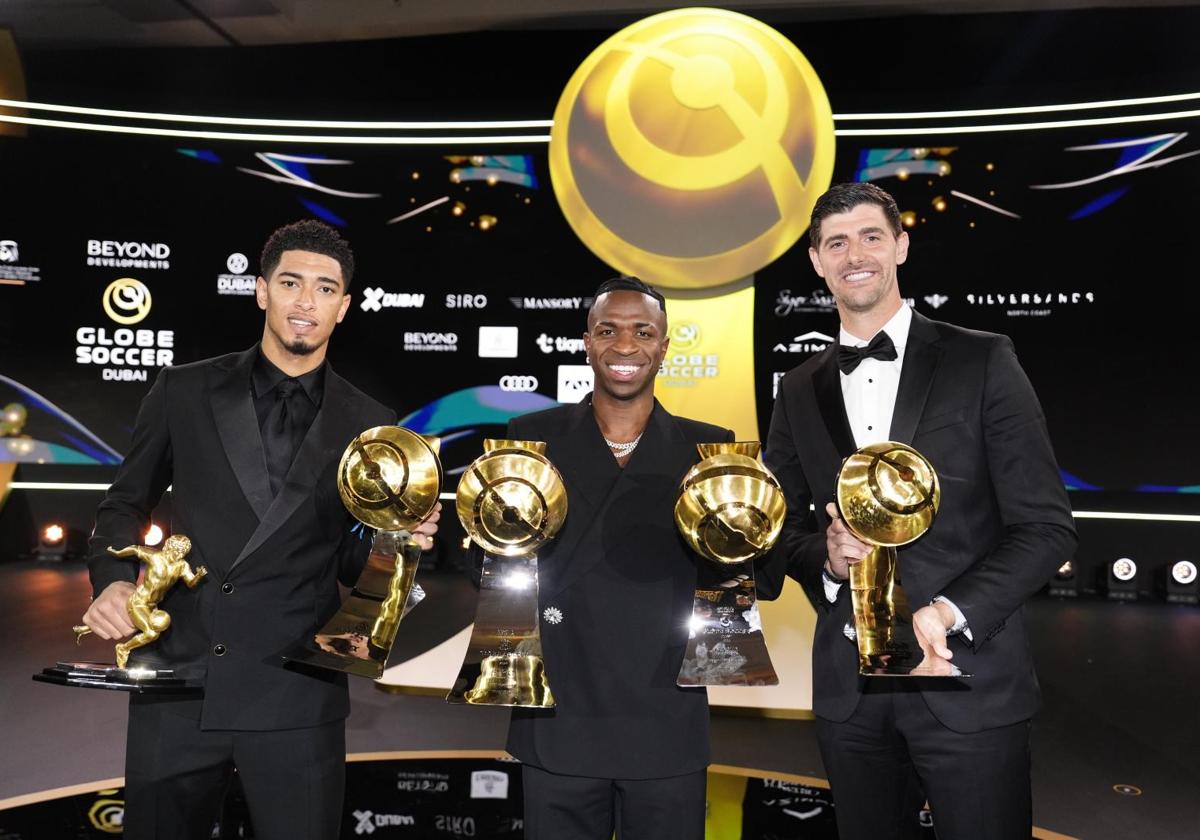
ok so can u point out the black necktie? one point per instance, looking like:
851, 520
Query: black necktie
278, 432
881, 347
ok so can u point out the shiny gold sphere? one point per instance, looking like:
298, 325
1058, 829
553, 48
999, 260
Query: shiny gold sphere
511, 500
730, 507
389, 478
888, 493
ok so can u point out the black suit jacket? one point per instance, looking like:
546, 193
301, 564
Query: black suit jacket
1003, 528
624, 581
273, 563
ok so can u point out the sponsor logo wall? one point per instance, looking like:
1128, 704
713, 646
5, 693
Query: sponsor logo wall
91, 311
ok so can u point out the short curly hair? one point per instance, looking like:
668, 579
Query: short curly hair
308, 235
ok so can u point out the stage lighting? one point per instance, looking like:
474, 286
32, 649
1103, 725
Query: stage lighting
1065, 583
1179, 583
52, 543
153, 535
1122, 579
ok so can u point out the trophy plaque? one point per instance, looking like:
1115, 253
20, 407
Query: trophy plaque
389, 479
888, 495
165, 567
730, 511
511, 501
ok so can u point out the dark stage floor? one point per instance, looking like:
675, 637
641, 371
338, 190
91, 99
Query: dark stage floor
1120, 687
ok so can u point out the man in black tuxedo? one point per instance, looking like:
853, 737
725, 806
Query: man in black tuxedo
961, 399
250, 444
615, 596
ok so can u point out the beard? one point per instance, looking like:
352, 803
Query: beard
297, 346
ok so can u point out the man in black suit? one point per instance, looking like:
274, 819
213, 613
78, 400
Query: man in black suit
615, 596
961, 399
250, 444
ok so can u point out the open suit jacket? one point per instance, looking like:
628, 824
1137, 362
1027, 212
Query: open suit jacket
623, 581
1003, 528
273, 563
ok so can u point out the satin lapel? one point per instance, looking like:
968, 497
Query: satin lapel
237, 425
332, 428
921, 357
827, 384
655, 469
581, 455
590, 472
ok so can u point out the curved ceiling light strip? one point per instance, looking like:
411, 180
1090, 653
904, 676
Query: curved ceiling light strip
431, 140
461, 125
1030, 109
363, 140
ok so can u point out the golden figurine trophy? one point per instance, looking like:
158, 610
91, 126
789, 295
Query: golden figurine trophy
511, 501
730, 511
888, 494
165, 567
389, 478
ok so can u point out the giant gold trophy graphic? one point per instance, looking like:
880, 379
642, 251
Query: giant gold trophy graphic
165, 567
511, 501
888, 495
730, 511
689, 148
389, 478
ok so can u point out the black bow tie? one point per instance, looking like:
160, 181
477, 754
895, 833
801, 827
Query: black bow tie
881, 347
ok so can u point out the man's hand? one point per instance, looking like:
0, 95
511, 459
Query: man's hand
108, 616
842, 547
424, 532
930, 624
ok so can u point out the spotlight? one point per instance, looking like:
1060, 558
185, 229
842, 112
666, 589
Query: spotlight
1122, 579
1065, 583
52, 543
153, 535
1179, 583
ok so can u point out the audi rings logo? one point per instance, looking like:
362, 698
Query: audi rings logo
107, 815
690, 147
126, 301
518, 383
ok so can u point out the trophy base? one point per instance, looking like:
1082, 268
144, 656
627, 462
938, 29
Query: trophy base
879, 665
725, 639
506, 680
108, 676
359, 637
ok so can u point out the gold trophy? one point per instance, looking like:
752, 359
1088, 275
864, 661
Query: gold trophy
389, 478
511, 501
888, 495
730, 511
165, 567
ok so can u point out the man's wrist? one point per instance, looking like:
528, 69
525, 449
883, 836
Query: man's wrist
827, 570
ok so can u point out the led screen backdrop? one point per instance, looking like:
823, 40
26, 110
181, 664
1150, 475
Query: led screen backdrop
120, 255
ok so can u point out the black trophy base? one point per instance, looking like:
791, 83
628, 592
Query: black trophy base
109, 676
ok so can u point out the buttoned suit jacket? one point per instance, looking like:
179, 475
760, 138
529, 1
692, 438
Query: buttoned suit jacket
273, 562
623, 581
1003, 528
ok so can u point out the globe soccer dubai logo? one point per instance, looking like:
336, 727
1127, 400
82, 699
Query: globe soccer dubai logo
124, 354
690, 147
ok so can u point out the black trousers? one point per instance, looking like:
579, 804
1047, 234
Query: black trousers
582, 808
893, 754
176, 776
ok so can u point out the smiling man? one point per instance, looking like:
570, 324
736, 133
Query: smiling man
625, 749
250, 443
1004, 526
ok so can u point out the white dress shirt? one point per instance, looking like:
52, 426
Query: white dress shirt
869, 394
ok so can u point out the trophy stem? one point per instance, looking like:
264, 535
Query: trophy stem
887, 643
359, 637
726, 645
503, 665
